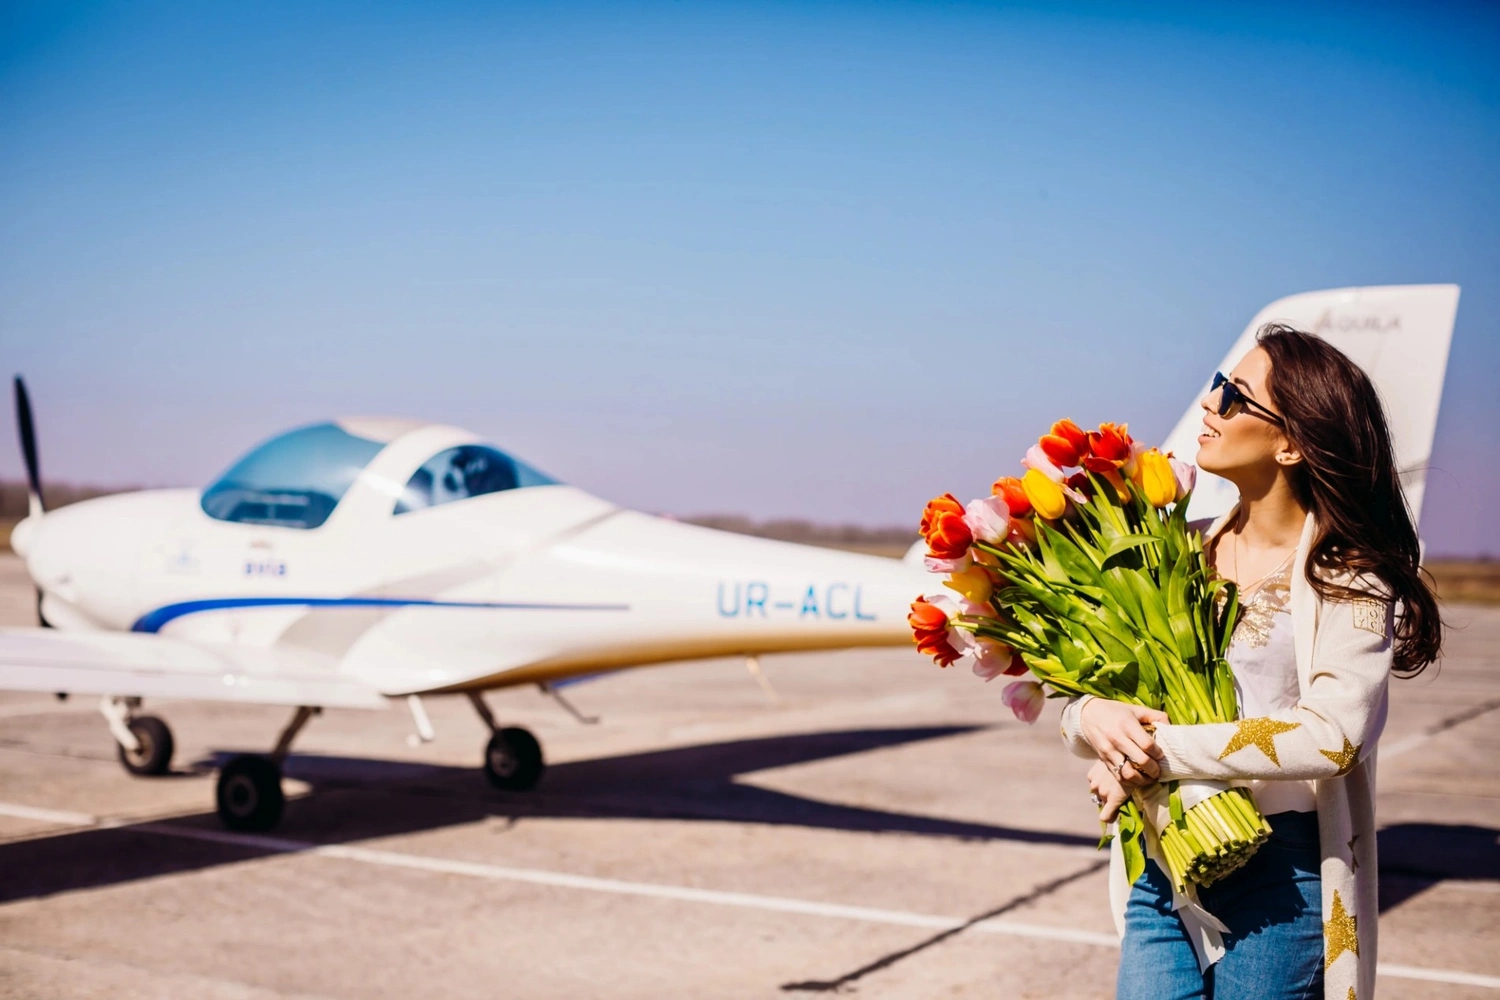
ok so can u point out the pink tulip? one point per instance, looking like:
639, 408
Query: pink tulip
946, 566
1024, 698
1186, 475
988, 519
991, 658
1037, 459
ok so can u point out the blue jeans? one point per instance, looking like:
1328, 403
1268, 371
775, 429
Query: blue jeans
1273, 908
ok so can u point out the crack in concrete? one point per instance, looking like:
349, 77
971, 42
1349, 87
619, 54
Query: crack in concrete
842, 983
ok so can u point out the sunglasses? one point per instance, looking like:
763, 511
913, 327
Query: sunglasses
1233, 400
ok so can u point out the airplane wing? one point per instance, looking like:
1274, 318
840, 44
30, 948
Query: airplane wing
133, 665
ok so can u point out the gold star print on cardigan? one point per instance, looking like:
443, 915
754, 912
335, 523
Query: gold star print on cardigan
1260, 733
1339, 932
1345, 758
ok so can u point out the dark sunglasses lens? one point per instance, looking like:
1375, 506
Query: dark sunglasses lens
1229, 399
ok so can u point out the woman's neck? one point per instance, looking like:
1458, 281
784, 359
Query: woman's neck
1270, 515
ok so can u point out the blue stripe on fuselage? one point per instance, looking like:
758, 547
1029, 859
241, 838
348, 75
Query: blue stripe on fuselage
152, 621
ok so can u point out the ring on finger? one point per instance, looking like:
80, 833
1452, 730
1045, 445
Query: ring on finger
1116, 768
1094, 798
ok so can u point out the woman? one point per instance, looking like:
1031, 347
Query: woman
1323, 550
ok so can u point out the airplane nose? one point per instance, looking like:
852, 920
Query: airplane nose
22, 534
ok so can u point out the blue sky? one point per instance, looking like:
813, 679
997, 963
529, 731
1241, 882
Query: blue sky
816, 260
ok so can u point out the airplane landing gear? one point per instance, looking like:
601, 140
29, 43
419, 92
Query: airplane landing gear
513, 757
513, 760
248, 794
153, 752
144, 742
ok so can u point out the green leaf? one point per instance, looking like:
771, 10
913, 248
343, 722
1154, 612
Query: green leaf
1131, 846
1127, 543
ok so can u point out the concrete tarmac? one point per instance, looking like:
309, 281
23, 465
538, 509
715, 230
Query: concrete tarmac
881, 828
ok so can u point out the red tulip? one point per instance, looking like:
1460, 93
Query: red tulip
1067, 445
1109, 447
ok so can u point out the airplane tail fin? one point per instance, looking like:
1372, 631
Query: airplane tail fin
1399, 334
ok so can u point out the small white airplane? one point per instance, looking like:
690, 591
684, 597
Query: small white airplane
351, 563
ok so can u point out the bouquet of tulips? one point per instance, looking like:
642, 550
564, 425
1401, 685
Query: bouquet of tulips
1091, 580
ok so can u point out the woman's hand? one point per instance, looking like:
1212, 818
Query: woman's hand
1117, 733
1108, 792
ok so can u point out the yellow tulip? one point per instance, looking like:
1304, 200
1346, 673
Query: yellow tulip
1045, 494
1153, 474
974, 583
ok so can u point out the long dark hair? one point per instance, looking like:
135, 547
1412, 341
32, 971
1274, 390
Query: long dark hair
1348, 480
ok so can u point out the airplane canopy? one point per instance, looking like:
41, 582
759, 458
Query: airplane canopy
469, 470
295, 480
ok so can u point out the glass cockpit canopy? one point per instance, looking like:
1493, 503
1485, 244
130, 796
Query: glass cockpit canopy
297, 479
469, 470
292, 481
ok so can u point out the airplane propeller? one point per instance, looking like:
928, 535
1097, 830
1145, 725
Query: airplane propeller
27, 428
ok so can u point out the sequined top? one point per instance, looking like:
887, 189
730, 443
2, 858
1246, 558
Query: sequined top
1264, 662
1259, 609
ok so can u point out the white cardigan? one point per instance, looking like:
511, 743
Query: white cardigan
1344, 652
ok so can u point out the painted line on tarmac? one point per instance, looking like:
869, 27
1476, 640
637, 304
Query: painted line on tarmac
47, 815
649, 890
776, 904
563, 880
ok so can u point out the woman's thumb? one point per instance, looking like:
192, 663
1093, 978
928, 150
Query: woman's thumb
1151, 715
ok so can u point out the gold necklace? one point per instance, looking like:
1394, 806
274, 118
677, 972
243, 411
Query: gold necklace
1234, 546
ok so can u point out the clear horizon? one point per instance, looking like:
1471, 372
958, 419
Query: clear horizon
815, 261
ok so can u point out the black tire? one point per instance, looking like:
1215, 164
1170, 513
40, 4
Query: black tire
155, 753
249, 794
513, 760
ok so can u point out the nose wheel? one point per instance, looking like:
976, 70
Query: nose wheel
143, 742
152, 753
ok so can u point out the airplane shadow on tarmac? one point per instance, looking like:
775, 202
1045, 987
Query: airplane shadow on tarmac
359, 799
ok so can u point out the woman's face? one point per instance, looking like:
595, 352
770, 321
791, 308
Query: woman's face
1246, 444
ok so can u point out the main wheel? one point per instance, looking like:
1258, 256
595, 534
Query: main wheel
513, 760
153, 753
249, 794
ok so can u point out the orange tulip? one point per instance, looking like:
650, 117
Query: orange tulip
1010, 488
1022, 532
945, 504
1067, 444
929, 626
945, 529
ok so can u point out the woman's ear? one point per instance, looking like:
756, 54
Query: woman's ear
1288, 454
